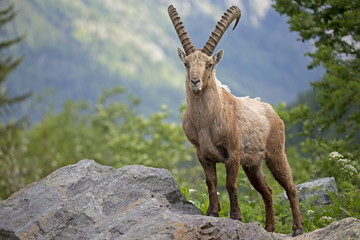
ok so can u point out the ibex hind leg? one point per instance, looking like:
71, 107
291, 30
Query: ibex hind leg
257, 179
280, 169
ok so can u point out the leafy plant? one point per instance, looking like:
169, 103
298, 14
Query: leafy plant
333, 27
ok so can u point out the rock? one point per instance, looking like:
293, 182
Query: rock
348, 228
316, 191
90, 201
319, 188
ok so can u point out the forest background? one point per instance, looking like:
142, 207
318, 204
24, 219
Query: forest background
101, 80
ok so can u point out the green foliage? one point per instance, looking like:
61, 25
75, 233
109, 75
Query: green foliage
199, 197
111, 132
309, 157
13, 169
334, 27
348, 202
345, 203
332, 123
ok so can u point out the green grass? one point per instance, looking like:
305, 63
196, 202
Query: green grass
345, 203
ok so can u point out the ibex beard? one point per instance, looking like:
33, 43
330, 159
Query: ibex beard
232, 130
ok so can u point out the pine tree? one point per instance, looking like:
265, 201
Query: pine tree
8, 63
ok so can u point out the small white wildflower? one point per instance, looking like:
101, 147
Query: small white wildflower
192, 190
342, 161
326, 220
350, 168
310, 212
335, 155
217, 193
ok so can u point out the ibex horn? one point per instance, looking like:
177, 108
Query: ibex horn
220, 28
180, 29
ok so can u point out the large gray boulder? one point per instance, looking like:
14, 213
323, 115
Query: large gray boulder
317, 190
90, 201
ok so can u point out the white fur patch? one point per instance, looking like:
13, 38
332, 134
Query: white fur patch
257, 98
222, 85
226, 87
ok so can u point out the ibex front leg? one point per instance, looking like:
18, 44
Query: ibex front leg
232, 169
211, 181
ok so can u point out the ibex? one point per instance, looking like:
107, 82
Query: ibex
232, 130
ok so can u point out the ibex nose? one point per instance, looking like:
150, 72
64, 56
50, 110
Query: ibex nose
195, 81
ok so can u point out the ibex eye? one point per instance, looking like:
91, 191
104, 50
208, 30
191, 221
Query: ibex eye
209, 65
186, 65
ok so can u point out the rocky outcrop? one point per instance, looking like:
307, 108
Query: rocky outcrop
90, 201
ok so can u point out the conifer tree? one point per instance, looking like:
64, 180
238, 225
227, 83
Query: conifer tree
12, 135
7, 63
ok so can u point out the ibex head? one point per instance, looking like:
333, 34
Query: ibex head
199, 63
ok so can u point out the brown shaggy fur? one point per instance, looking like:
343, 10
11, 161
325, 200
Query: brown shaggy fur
235, 131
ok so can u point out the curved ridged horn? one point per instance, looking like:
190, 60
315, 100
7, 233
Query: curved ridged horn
220, 28
180, 29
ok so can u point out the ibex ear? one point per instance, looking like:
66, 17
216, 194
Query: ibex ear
181, 55
218, 56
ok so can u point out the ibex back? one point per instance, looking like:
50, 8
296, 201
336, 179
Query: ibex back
232, 130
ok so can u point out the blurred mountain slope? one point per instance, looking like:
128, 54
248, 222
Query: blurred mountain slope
79, 47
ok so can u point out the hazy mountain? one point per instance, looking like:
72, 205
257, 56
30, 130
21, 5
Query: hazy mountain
80, 46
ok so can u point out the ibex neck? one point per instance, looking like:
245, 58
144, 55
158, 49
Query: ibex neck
207, 103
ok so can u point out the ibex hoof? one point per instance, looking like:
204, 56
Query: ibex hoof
235, 215
212, 214
270, 228
297, 231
